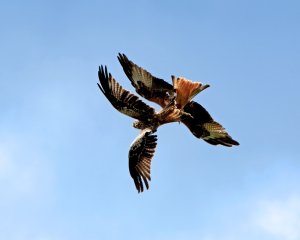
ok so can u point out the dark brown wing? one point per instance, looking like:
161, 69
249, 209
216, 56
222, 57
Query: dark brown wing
121, 99
140, 155
202, 125
152, 88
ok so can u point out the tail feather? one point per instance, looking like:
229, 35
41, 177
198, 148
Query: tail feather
186, 90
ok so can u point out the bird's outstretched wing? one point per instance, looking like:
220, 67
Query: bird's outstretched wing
202, 125
152, 88
121, 99
140, 155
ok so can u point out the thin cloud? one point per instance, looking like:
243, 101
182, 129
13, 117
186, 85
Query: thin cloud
281, 218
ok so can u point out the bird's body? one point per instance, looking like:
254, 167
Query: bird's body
177, 106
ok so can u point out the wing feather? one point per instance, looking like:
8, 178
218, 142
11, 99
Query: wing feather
152, 88
140, 155
124, 101
202, 125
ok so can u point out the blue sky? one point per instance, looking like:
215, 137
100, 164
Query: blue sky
63, 148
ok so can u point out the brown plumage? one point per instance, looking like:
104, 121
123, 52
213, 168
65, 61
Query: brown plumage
152, 88
123, 100
177, 106
140, 155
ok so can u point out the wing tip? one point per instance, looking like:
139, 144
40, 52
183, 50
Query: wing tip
229, 141
225, 141
139, 185
123, 59
103, 77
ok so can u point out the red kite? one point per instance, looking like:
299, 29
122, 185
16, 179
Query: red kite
177, 106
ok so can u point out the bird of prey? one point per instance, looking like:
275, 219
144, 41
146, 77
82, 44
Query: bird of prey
177, 106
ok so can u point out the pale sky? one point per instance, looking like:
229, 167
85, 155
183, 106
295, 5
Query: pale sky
64, 149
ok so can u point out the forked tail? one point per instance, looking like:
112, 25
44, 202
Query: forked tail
186, 90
